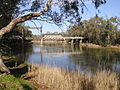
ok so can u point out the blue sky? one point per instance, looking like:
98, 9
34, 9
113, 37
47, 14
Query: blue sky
110, 9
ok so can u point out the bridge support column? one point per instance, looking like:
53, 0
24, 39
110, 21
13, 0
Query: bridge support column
64, 41
80, 41
72, 41
41, 41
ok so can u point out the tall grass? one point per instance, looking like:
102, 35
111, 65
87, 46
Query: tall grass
57, 79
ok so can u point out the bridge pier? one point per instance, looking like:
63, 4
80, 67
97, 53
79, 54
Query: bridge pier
72, 41
80, 41
41, 41
64, 41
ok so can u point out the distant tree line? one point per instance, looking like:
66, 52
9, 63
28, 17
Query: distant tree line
98, 30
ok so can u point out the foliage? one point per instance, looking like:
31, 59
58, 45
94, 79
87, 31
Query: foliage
20, 31
9, 82
65, 9
97, 30
8, 8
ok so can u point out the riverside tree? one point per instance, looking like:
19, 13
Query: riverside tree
98, 30
55, 11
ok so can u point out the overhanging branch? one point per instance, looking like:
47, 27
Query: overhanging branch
24, 18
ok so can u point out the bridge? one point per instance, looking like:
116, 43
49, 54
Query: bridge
58, 53
55, 37
61, 38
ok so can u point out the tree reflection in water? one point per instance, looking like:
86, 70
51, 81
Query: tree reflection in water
97, 59
70, 56
21, 51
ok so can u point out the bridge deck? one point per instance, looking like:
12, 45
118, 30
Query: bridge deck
59, 37
57, 53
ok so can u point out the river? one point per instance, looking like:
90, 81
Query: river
70, 57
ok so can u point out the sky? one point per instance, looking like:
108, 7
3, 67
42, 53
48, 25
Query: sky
110, 9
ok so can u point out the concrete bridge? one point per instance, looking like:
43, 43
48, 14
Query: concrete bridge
61, 38
58, 53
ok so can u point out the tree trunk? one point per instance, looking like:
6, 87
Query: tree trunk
3, 68
17, 20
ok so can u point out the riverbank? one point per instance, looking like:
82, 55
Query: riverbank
52, 78
90, 45
13, 81
10, 82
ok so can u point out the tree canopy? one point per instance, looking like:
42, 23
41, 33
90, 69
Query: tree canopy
56, 11
98, 30
7, 11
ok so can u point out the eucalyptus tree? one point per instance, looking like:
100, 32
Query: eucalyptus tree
55, 11
98, 30
8, 10
43, 10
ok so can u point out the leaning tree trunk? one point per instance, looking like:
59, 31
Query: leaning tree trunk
3, 68
17, 20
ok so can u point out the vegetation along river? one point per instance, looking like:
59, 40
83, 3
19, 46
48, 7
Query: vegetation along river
70, 57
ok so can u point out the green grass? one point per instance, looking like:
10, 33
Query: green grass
9, 82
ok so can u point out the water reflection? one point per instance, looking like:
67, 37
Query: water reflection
97, 59
22, 52
53, 55
71, 57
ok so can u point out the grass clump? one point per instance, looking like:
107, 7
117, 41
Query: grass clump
53, 78
9, 82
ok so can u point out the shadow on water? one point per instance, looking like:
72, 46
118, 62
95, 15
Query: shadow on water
16, 56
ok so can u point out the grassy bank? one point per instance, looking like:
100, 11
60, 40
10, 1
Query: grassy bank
52, 78
9, 82
13, 81
90, 45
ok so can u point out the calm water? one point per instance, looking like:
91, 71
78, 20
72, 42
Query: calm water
71, 57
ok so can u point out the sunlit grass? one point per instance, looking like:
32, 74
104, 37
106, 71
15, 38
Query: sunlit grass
9, 82
57, 79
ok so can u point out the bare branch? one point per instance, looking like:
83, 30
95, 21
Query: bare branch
84, 4
42, 19
35, 25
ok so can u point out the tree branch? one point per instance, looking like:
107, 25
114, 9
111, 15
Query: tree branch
46, 20
17, 20
24, 18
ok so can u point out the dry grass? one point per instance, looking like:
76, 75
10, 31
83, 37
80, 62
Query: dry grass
52, 78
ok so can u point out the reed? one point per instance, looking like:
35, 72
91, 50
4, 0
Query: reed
52, 78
